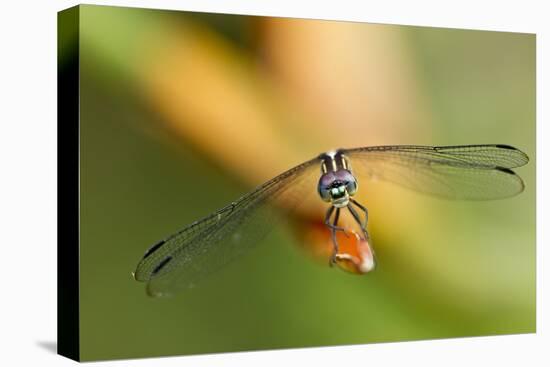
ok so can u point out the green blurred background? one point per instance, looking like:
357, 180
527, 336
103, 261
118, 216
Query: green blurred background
172, 101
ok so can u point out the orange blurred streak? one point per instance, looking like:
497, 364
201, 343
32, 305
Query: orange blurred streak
210, 96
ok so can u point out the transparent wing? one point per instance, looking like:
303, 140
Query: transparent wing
474, 172
184, 258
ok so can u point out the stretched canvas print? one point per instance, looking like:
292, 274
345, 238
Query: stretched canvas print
235, 183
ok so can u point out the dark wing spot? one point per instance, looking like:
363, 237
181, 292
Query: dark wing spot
504, 146
505, 170
153, 248
161, 265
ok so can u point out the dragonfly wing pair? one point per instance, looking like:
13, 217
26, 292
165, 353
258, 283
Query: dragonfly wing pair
475, 172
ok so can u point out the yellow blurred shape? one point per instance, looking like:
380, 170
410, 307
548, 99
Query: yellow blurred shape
354, 78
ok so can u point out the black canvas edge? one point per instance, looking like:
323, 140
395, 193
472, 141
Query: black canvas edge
68, 162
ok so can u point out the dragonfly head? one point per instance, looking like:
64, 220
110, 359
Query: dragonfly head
337, 187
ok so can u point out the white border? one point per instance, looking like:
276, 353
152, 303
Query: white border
28, 181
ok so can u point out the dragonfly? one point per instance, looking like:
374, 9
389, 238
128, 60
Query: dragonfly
466, 172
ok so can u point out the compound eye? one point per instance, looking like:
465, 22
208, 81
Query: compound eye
324, 192
351, 186
324, 186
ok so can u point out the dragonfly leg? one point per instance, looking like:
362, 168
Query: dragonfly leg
364, 209
358, 219
333, 228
